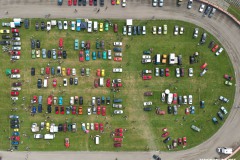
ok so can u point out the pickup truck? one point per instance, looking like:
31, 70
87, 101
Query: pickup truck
147, 71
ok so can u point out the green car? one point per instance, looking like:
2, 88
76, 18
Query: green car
76, 44
33, 54
87, 71
106, 26
42, 71
97, 45
104, 55
164, 29
69, 127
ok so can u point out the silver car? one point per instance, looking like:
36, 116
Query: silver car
124, 30
60, 26
118, 111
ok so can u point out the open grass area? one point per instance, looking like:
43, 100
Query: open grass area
234, 11
144, 129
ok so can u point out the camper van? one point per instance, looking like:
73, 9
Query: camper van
97, 138
45, 83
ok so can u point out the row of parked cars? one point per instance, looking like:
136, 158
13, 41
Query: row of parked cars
159, 30
134, 30
15, 125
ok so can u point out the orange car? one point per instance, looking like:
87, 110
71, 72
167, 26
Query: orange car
98, 72
215, 48
67, 143
118, 59
80, 110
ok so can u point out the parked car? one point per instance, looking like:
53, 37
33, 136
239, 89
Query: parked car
195, 128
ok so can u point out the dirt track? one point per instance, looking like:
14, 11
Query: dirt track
223, 28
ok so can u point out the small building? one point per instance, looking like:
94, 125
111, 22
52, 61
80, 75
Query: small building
129, 22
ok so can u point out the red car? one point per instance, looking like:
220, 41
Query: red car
118, 139
56, 109
187, 111
165, 134
15, 138
60, 43
16, 53
98, 72
118, 59
14, 30
204, 66
101, 127
47, 70
95, 83
179, 141
64, 127
49, 100
74, 2
62, 110
117, 84
15, 71
67, 143
120, 130
81, 56
96, 126
68, 71
103, 111
98, 110
113, 2
184, 141
174, 98
167, 72
69, 2
35, 99
14, 93
54, 83
146, 77
108, 82
215, 47
117, 144
115, 28
90, 2
74, 108
118, 134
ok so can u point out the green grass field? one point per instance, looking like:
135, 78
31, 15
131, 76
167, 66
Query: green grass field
234, 11
144, 129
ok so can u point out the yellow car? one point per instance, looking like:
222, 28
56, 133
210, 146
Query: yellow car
47, 126
101, 27
64, 71
102, 73
4, 31
118, 2
16, 129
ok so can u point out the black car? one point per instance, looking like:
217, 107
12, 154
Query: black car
98, 101
167, 139
16, 84
191, 59
49, 109
42, 26
180, 60
60, 127
101, 3
6, 37
33, 44
37, 26
134, 28
84, 2
16, 35
180, 100
139, 30
181, 72
161, 72
79, 2
95, 2
15, 126
32, 71
99, 54
204, 37
49, 54
169, 109
156, 157
5, 42
220, 115
71, 81
26, 23
14, 121
147, 108
211, 44
207, 10
38, 44
60, 2
64, 54
82, 71
117, 49
39, 83
80, 100
202, 104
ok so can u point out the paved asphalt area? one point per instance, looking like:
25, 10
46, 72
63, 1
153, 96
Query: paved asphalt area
223, 28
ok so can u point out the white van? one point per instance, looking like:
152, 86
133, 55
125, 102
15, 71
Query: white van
45, 83
49, 136
170, 98
95, 25
97, 138
15, 76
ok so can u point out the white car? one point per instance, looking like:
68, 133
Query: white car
16, 88
117, 70
190, 72
164, 29
157, 72
117, 43
189, 5
177, 72
195, 33
181, 30
160, 30
124, 30
201, 8
117, 105
15, 57
15, 76
124, 3
146, 56
147, 103
160, 3
129, 32
154, 30
92, 126
143, 30
116, 80
55, 100
190, 98
154, 3
73, 71
73, 25
219, 51
118, 54
175, 30
163, 97
65, 25
89, 111
93, 101
65, 82
71, 100
89, 29
184, 99
109, 54
118, 111
48, 26
223, 109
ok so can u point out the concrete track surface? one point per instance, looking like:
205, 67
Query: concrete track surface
223, 28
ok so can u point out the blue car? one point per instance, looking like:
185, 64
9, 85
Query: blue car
94, 56
87, 56
99, 54
15, 133
192, 109
39, 99
54, 54
78, 25
60, 101
15, 142
104, 55
40, 108
53, 71
34, 109
67, 110
44, 55
83, 44
103, 100
76, 44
